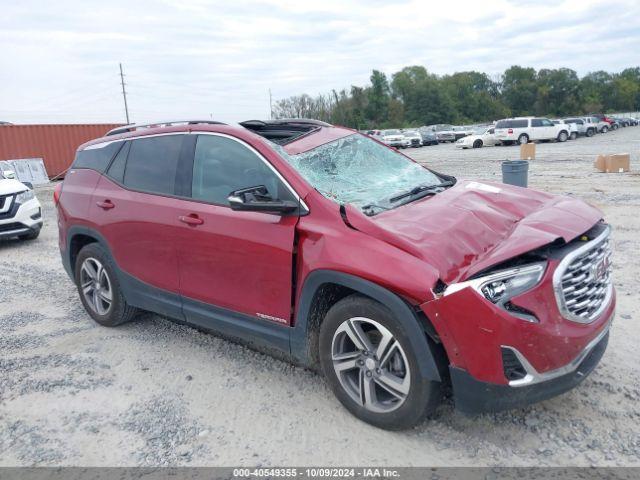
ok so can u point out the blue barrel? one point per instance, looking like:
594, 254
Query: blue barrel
515, 172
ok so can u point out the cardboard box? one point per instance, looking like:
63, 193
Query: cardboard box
527, 151
617, 163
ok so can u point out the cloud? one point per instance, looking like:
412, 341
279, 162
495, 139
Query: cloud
59, 61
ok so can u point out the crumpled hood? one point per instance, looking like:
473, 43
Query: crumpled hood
9, 185
474, 225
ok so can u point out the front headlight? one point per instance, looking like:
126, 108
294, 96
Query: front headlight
25, 196
500, 287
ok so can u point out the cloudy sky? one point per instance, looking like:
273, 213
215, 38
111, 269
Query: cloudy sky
196, 58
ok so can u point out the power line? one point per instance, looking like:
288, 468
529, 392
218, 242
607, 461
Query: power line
124, 94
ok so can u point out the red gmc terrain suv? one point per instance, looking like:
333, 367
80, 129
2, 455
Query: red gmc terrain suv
346, 256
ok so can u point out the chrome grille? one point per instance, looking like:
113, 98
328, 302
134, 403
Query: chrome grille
582, 281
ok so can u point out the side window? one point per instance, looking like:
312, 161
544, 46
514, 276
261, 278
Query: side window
547, 123
536, 122
152, 162
96, 158
222, 165
116, 169
491, 131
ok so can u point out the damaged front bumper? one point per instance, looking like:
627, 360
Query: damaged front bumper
475, 396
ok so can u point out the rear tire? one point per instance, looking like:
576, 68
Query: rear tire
522, 139
99, 289
590, 132
573, 135
369, 363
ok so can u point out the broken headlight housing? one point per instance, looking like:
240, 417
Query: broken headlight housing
501, 286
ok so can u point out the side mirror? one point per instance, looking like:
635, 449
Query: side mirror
257, 199
29, 185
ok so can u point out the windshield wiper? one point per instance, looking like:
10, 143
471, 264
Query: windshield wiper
426, 189
368, 209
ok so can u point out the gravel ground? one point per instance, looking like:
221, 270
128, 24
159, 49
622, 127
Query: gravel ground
157, 393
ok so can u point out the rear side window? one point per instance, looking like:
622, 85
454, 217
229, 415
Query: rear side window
96, 158
152, 162
512, 124
222, 165
116, 169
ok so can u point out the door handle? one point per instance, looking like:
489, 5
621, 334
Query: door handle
191, 219
106, 205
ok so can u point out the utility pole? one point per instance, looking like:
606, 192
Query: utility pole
124, 95
270, 105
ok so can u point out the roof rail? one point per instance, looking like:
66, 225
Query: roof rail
134, 126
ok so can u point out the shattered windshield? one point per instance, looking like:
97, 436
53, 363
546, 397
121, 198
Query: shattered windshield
360, 171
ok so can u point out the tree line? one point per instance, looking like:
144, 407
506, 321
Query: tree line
414, 97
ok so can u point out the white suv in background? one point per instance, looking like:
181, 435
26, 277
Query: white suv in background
584, 127
525, 129
20, 211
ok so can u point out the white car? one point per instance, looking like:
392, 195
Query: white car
573, 128
526, 129
393, 138
481, 137
20, 210
583, 127
413, 138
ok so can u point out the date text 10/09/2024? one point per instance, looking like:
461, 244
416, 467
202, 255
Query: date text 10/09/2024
315, 473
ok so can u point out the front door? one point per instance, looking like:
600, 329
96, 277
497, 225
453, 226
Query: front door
238, 261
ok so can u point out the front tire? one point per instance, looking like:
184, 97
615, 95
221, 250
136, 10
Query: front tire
370, 365
99, 288
477, 144
562, 137
590, 132
573, 135
604, 129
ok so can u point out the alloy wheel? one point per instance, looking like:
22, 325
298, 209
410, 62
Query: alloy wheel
370, 364
96, 286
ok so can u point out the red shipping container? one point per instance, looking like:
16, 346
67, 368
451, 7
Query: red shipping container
55, 144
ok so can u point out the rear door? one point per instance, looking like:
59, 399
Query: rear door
236, 261
538, 131
134, 207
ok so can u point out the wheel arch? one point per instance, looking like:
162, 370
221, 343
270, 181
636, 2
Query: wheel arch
323, 288
77, 238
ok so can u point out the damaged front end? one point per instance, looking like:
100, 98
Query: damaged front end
530, 328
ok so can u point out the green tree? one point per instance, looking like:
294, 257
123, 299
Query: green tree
519, 89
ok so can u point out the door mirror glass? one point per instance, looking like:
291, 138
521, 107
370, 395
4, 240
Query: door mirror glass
257, 199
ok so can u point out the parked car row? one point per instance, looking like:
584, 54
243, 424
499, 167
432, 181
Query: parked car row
507, 131
520, 130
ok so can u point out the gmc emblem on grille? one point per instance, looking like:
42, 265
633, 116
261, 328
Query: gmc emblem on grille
599, 270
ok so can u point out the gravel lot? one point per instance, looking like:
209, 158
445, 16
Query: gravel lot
157, 393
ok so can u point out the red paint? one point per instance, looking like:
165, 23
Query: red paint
55, 144
243, 261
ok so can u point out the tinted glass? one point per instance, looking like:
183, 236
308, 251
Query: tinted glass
116, 169
536, 122
96, 158
222, 165
512, 124
152, 162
